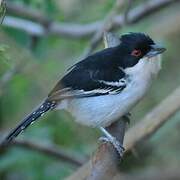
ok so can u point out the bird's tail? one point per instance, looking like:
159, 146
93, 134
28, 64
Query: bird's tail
43, 108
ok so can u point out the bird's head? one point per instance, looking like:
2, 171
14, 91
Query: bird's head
137, 46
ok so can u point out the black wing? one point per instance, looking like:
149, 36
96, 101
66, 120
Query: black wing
96, 75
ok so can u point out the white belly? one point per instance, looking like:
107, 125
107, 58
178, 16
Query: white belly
103, 110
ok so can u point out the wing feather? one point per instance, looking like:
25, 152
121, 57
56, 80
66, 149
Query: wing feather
94, 76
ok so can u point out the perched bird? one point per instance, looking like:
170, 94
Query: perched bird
103, 87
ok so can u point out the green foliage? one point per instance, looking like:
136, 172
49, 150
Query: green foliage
4, 59
35, 166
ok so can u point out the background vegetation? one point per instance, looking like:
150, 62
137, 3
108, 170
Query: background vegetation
31, 65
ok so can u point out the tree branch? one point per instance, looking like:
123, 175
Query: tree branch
72, 30
27, 26
105, 162
51, 151
143, 129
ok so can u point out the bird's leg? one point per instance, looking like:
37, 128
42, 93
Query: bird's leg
109, 138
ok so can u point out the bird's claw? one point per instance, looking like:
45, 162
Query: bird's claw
116, 144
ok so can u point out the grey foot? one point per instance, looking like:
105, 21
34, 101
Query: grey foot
116, 144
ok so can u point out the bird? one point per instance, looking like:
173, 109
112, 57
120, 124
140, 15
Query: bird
103, 87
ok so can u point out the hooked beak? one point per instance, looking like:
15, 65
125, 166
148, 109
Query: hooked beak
155, 50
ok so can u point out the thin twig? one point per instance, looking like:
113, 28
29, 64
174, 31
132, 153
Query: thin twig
143, 129
51, 151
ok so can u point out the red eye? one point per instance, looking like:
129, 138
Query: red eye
136, 53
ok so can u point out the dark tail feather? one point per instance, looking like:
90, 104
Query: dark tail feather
43, 108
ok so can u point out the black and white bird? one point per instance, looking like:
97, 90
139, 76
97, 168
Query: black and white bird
105, 86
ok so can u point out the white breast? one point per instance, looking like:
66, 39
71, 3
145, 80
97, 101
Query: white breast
103, 110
